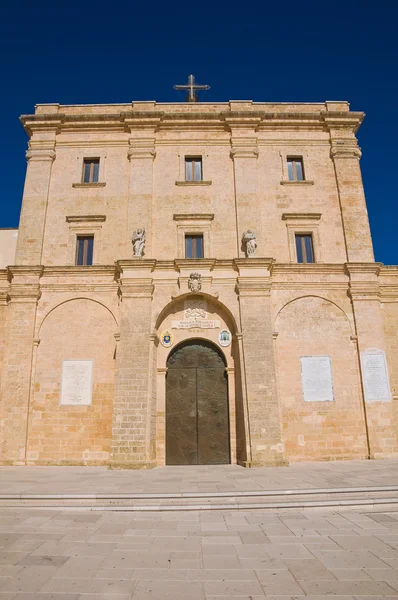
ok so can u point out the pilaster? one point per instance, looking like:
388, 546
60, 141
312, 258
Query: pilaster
346, 154
254, 287
244, 153
24, 293
40, 156
141, 154
133, 410
382, 425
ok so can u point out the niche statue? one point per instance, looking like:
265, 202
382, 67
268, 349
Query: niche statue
250, 242
138, 242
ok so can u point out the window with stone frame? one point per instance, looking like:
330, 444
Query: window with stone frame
304, 248
84, 250
193, 168
90, 170
295, 168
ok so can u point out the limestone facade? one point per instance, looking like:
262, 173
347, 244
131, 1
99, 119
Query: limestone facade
115, 311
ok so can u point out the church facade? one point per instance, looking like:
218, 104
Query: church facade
194, 283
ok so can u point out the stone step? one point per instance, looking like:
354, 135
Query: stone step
233, 500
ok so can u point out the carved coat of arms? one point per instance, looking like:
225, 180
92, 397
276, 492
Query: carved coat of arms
195, 282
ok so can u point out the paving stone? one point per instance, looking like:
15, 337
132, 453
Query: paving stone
345, 559
43, 561
231, 588
351, 588
350, 574
278, 582
168, 590
307, 568
383, 574
89, 586
30, 579
285, 551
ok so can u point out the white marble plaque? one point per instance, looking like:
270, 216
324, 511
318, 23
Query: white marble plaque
76, 386
195, 323
375, 376
316, 374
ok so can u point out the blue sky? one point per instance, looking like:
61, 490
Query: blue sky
99, 52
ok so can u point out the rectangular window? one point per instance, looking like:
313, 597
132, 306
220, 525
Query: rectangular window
304, 248
90, 170
193, 168
295, 169
84, 250
194, 246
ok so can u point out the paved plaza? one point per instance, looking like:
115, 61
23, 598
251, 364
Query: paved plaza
220, 478
76, 554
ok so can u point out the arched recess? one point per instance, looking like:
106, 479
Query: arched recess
311, 326
79, 329
57, 305
314, 296
218, 317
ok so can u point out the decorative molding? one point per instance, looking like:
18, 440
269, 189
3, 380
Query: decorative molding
89, 185
301, 216
345, 149
193, 217
299, 183
86, 219
192, 183
40, 154
244, 152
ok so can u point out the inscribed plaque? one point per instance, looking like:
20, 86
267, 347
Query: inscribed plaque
316, 374
76, 387
375, 376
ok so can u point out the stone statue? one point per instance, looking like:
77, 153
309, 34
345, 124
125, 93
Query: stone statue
138, 242
194, 282
250, 241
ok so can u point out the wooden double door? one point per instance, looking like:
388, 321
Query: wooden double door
197, 419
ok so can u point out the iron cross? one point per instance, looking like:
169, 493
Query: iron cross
191, 87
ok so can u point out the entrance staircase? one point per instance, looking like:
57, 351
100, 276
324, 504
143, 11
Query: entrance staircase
380, 498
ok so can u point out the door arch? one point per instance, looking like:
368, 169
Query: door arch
197, 416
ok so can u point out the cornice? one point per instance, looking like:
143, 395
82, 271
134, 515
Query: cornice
134, 264
301, 216
86, 218
155, 119
193, 217
199, 264
363, 268
80, 271
308, 269
40, 154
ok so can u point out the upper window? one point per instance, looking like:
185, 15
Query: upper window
193, 168
295, 168
84, 250
304, 248
194, 246
90, 170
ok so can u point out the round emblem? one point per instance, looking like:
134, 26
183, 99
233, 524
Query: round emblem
166, 339
224, 337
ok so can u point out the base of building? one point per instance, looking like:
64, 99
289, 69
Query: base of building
114, 465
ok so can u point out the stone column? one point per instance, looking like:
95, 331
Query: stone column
254, 288
141, 154
244, 152
346, 154
40, 155
17, 363
133, 426
381, 422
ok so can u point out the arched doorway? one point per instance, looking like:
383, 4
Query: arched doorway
197, 421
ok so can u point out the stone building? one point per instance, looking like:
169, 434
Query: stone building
195, 283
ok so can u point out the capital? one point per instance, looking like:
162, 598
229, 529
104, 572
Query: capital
36, 154
344, 150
